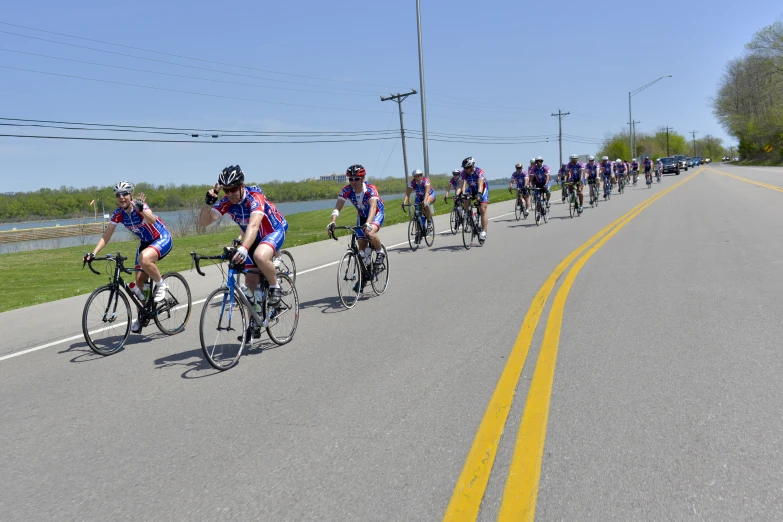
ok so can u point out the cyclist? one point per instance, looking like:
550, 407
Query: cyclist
607, 174
591, 175
659, 169
635, 170
519, 179
531, 167
263, 227
562, 175
575, 177
425, 195
155, 238
472, 180
647, 164
454, 184
541, 179
369, 211
620, 170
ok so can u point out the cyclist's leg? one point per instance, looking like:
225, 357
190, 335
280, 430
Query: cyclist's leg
150, 255
484, 200
372, 231
428, 200
580, 194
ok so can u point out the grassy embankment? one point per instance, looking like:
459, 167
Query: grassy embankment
30, 278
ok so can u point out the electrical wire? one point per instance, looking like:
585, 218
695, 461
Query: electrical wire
81, 138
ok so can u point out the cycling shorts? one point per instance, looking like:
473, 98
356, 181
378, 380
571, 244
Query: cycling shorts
360, 221
542, 186
484, 198
162, 246
274, 239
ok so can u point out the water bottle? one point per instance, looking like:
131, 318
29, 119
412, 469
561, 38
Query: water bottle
136, 291
259, 298
147, 290
367, 254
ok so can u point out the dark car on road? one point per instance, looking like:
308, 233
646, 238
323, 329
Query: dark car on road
671, 165
682, 160
697, 161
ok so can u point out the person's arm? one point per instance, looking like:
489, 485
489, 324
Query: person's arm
335, 214
146, 213
249, 237
105, 238
460, 188
373, 209
208, 213
481, 184
407, 196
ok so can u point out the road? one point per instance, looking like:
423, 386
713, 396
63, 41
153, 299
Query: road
658, 396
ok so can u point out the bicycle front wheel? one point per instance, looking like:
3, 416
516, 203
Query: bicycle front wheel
518, 209
413, 233
349, 279
453, 220
380, 273
222, 329
467, 229
172, 314
283, 318
286, 265
106, 320
429, 233
571, 206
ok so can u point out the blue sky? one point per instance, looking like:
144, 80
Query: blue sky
495, 68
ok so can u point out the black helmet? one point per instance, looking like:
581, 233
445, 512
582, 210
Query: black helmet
231, 176
468, 162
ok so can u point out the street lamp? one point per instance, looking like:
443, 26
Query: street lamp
630, 118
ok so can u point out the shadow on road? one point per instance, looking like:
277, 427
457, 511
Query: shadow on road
450, 248
83, 352
197, 367
327, 305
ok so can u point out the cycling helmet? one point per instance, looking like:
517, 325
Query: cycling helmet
456, 172
417, 172
468, 162
231, 176
518, 166
634, 159
618, 160
605, 158
590, 158
573, 157
539, 158
355, 171
123, 186
532, 160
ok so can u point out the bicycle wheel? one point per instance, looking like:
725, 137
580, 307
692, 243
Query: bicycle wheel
413, 233
538, 212
283, 318
285, 264
429, 233
544, 212
222, 329
349, 279
467, 229
478, 229
571, 205
380, 274
106, 320
518, 209
172, 314
453, 220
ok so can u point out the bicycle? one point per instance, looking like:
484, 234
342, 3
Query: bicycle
658, 175
418, 227
593, 184
227, 309
635, 177
354, 271
648, 179
285, 264
573, 200
541, 213
608, 189
620, 184
456, 216
473, 227
103, 313
519, 206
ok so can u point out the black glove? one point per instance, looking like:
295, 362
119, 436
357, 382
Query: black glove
139, 206
87, 257
210, 198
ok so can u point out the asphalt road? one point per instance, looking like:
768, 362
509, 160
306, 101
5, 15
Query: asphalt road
665, 404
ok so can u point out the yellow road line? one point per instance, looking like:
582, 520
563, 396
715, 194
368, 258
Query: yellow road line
521, 492
746, 180
472, 483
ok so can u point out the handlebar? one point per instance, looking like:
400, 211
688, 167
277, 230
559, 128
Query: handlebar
352, 229
117, 258
228, 253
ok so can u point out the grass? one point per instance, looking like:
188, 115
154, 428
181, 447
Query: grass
760, 162
40, 276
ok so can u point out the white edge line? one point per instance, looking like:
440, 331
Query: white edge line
74, 337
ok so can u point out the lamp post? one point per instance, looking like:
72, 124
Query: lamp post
423, 96
630, 117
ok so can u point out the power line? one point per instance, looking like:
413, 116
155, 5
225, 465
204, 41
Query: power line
84, 138
184, 57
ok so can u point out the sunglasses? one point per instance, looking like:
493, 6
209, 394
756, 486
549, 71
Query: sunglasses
354, 179
121, 194
227, 190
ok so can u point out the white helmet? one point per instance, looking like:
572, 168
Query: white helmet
532, 160
618, 160
605, 158
417, 172
634, 159
573, 157
539, 158
590, 158
456, 172
518, 166
123, 186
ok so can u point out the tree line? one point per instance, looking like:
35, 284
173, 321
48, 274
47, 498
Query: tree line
70, 202
749, 101
659, 144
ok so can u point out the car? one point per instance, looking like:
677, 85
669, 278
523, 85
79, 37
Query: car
697, 161
670, 165
736, 158
708, 160
682, 160
689, 162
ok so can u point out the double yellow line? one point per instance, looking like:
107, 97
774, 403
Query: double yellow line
521, 492
746, 180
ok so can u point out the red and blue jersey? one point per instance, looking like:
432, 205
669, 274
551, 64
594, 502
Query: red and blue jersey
134, 222
619, 168
606, 167
635, 165
574, 171
561, 174
540, 174
519, 178
472, 180
592, 170
253, 202
454, 182
361, 200
420, 188
648, 164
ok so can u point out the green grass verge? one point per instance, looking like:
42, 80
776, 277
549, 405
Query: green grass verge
40, 276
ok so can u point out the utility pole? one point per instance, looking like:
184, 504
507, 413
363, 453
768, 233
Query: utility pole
399, 98
694, 141
633, 137
423, 97
560, 115
667, 140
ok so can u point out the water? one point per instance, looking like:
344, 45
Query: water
170, 218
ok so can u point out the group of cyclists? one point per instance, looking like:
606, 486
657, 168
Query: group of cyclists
264, 228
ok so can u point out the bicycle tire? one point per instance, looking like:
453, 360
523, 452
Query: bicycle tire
478, 229
287, 307
544, 213
287, 264
453, 219
221, 304
173, 302
350, 274
571, 205
517, 209
429, 234
538, 212
467, 229
105, 345
413, 231
380, 277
